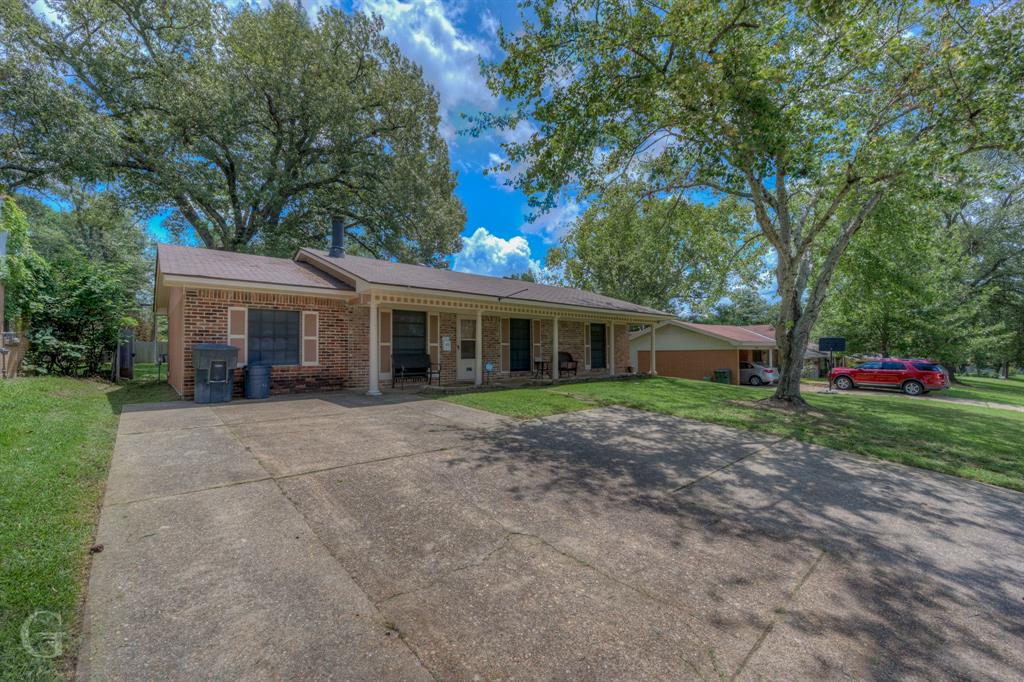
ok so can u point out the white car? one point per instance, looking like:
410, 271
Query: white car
755, 374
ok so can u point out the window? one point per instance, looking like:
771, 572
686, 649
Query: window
597, 360
893, 365
408, 332
871, 365
927, 367
274, 337
746, 365
519, 345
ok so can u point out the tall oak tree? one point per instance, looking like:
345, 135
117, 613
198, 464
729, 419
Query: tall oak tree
810, 112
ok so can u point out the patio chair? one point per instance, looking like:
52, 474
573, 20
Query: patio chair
405, 366
566, 365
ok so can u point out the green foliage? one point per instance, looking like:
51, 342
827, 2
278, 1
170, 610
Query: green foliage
930, 278
22, 269
96, 225
810, 113
523, 276
254, 125
77, 312
661, 253
745, 307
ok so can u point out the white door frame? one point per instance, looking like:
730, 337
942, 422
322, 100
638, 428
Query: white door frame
465, 368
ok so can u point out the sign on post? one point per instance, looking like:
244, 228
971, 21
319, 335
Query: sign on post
832, 344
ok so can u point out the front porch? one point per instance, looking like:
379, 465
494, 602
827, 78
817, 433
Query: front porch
473, 344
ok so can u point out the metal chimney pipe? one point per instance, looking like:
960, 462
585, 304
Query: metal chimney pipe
337, 238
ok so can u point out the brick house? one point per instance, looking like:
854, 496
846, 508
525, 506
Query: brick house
687, 350
330, 320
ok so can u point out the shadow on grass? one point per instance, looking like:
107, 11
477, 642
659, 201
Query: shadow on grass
148, 386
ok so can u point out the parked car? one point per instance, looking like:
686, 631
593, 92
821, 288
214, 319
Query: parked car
913, 377
756, 374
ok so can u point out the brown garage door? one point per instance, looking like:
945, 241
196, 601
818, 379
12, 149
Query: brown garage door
691, 364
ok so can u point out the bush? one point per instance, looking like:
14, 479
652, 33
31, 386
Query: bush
76, 314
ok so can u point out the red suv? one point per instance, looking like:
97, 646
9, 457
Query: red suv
913, 377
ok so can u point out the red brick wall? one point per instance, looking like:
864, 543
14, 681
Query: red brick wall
691, 364
621, 348
492, 342
448, 360
343, 334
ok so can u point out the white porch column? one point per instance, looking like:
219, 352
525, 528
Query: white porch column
611, 350
653, 348
771, 362
374, 368
554, 350
478, 373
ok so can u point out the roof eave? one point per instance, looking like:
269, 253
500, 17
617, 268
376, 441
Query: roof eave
170, 279
366, 286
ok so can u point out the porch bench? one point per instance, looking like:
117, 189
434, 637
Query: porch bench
566, 365
406, 366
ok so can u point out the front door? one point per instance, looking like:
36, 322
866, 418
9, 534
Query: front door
467, 349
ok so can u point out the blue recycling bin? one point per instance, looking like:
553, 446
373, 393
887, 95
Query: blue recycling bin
257, 381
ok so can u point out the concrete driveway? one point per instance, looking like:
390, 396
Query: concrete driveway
348, 538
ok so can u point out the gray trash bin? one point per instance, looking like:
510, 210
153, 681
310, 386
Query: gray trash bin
257, 381
215, 365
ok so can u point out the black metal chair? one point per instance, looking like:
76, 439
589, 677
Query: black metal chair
566, 365
405, 366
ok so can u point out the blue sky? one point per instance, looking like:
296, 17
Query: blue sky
447, 39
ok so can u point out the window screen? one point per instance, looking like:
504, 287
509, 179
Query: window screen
408, 332
597, 360
273, 337
519, 345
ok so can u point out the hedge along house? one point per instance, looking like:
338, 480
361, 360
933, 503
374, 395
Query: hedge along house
330, 320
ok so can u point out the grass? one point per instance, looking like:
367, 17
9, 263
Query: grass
963, 440
56, 438
1009, 391
522, 403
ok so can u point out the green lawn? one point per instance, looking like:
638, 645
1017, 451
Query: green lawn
972, 442
56, 438
1009, 391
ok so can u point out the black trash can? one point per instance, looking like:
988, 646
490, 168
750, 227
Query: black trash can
215, 371
257, 381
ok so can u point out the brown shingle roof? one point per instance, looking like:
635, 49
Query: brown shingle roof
390, 273
757, 334
244, 267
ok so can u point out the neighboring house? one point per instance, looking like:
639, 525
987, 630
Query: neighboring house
694, 351
329, 322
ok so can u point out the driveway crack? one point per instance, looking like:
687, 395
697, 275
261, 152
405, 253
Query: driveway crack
778, 612
759, 450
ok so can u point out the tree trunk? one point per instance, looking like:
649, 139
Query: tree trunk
791, 369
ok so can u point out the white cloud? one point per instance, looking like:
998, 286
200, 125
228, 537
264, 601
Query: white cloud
425, 32
486, 254
556, 223
489, 23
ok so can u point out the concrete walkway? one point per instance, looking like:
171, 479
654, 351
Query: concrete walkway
339, 537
